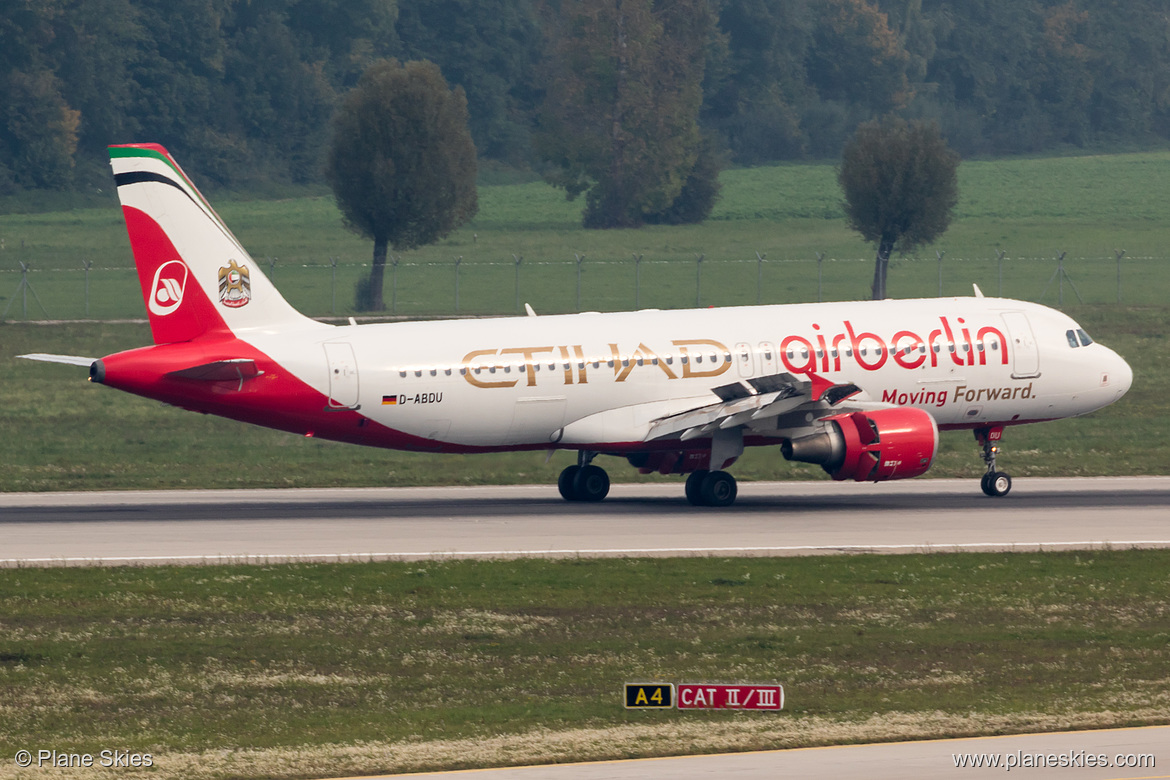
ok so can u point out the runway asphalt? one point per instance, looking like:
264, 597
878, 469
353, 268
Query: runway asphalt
784, 518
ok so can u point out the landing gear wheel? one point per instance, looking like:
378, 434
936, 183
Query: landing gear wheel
719, 489
591, 483
565, 483
695, 486
996, 483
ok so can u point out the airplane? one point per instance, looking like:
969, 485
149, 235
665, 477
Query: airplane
860, 388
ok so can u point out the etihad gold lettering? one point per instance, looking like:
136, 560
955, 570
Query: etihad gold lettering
529, 359
582, 378
699, 358
472, 371
692, 351
567, 364
641, 356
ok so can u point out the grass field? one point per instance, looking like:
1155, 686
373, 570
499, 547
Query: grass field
326, 670
1031, 209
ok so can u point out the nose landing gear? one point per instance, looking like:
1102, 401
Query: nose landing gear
994, 483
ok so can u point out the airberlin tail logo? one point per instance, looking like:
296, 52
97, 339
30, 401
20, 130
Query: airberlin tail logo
166, 292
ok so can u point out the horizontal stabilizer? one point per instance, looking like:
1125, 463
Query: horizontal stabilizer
73, 360
220, 371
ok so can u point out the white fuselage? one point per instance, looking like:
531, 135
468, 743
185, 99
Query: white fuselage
591, 379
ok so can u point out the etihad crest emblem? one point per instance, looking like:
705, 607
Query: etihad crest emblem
235, 285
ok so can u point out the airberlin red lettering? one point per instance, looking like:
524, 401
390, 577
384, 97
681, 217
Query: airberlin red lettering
823, 353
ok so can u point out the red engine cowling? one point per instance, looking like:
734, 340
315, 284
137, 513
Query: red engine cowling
870, 446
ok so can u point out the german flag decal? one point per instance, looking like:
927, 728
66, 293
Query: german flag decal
389, 400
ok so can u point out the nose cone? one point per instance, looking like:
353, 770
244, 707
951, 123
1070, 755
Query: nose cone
1116, 377
1122, 376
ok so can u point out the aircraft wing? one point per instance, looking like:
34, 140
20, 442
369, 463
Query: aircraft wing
743, 403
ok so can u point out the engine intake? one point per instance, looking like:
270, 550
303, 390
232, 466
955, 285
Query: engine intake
870, 446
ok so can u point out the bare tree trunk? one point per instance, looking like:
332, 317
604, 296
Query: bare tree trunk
880, 267
376, 274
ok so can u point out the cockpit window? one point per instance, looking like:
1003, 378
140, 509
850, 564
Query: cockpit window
1071, 335
1085, 340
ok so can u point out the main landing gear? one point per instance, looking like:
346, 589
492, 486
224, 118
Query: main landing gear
586, 482
994, 483
711, 488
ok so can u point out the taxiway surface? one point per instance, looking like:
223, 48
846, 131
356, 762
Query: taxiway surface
784, 518
1112, 754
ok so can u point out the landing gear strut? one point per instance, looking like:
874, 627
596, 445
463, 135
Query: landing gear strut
584, 482
994, 483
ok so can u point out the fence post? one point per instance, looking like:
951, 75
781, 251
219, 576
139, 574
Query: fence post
272, 268
699, 280
820, 258
1119, 254
519, 259
24, 289
760, 277
637, 280
580, 259
333, 263
394, 284
940, 257
458, 262
1001, 253
89, 264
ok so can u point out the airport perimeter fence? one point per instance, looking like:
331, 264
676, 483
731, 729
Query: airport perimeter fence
48, 288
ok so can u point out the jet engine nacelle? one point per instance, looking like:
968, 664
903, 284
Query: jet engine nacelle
870, 446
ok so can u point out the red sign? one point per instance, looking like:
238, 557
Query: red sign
694, 696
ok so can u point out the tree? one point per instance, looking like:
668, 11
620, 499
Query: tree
620, 117
401, 161
491, 48
901, 186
